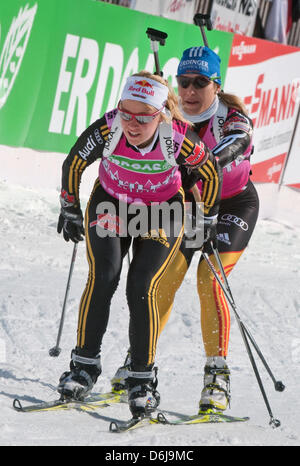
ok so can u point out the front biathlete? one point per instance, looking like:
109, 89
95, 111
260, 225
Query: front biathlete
137, 168
221, 121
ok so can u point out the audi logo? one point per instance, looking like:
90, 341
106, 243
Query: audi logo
234, 219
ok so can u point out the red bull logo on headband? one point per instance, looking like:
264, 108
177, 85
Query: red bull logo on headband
144, 87
146, 90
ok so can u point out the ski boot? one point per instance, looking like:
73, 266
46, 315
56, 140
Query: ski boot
215, 395
118, 382
77, 383
143, 398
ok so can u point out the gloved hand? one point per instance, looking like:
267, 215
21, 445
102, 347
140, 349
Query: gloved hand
210, 234
70, 221
198, 157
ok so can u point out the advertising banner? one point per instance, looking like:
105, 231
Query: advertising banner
266, 76
291, 175
234, 15
179, 10
63, 63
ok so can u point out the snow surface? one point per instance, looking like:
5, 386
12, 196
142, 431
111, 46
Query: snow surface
33, 275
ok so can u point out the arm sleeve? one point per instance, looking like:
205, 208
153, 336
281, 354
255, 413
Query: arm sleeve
237, 132
88, 148
208, 170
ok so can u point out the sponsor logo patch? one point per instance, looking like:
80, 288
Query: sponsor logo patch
197, 155
14, 49
157, 235
236, 220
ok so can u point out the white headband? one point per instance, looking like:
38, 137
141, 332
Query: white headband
145, 90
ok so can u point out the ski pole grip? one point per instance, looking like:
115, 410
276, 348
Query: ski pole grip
203, 20
157, 36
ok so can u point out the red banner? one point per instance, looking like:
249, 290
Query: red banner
266, 76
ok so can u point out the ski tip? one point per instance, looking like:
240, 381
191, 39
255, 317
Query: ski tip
17, 405
162, 418
133, 423
114, 427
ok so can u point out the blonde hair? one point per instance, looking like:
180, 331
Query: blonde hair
172, 101
233, 101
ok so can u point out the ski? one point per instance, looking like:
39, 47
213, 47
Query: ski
134, 423
206, 417
101, 400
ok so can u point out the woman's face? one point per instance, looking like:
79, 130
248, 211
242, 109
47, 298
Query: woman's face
195, 101
136, 133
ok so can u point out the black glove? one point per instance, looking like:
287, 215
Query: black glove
70, 222
210, 234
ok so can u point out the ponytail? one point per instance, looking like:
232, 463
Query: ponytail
231, 100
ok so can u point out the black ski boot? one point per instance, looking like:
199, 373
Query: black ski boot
77, 383
143, 398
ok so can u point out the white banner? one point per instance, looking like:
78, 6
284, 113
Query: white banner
179, 10
234, 16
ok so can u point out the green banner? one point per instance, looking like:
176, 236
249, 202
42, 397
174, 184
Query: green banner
63, 63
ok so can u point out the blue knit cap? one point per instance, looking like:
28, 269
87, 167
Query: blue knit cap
200, 60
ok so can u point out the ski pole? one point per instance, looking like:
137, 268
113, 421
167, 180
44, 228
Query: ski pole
278, 385
202, 20
156, 37
55, 351
274, 422
128, 258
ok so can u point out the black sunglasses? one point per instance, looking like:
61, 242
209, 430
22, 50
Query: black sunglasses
198, 82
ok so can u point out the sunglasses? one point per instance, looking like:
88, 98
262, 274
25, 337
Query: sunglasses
141, 118
198, 82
